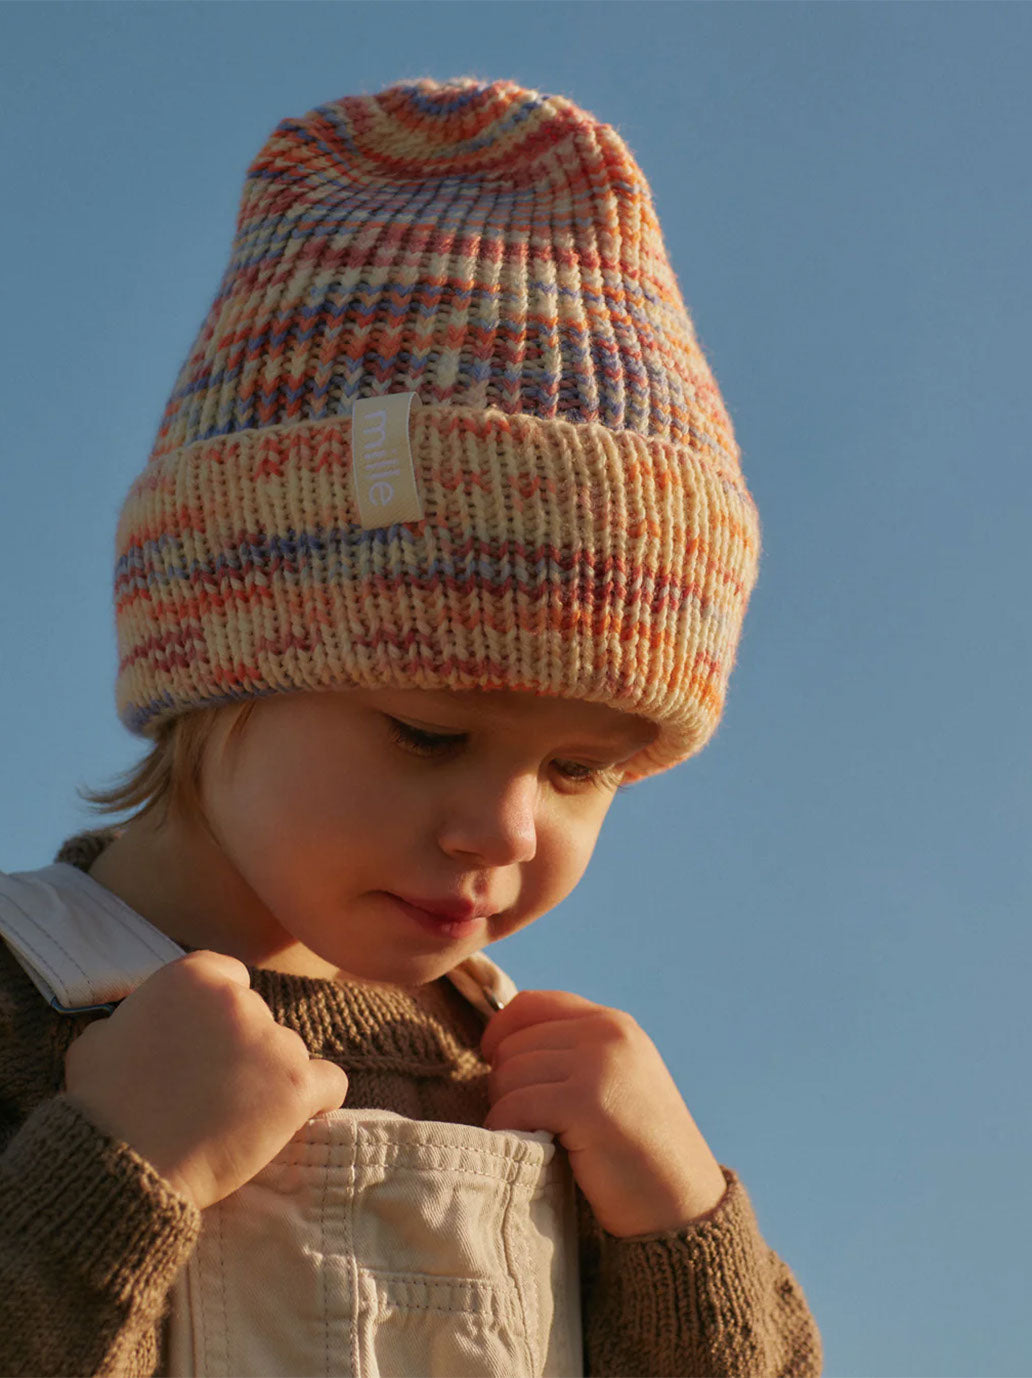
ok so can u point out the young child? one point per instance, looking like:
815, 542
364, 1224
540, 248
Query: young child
443, 540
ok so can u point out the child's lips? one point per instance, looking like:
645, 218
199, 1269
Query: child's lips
441, 924
452, 908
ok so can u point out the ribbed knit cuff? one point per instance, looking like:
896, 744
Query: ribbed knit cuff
654, 547
692, 1300
93, 1201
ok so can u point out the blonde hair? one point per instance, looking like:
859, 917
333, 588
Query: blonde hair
168, 778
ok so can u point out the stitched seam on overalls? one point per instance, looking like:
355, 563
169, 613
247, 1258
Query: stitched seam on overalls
556, 1190
209, 1251
520, 1267
225, 1309
51, 973
388, 1154
125, 922
477, 1150
430, 1282
325, 1273
395, 1166
487, 1302
460, 1172
349, 1240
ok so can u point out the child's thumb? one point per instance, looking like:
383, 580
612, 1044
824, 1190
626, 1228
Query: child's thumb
329, 1086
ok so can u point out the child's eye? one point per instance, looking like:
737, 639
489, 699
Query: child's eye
419, 740
601, 777
432, 743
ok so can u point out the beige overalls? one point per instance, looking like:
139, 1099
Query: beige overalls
372, 1244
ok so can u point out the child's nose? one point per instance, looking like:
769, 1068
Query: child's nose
496, 823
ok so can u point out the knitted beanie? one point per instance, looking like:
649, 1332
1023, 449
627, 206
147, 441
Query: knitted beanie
474, 271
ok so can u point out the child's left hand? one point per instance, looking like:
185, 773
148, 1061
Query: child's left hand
591, 1076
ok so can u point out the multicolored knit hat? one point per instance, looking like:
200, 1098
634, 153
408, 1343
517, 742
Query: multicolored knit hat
563, 511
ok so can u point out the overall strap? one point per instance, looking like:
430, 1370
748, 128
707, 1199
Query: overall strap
484, 984
85, 949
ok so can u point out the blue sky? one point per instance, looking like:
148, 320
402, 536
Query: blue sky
822, 920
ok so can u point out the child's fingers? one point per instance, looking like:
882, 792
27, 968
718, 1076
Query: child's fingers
216, 965
541, 1067
530, 1007
555, 1036
533, 1108
328, 1086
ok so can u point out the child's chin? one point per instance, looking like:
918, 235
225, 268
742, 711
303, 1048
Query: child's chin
415, 969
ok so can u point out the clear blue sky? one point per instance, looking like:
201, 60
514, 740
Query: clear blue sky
823, 919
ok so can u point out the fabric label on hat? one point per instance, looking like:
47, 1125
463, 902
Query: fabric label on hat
381, 460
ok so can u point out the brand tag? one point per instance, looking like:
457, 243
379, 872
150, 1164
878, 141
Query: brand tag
381, 460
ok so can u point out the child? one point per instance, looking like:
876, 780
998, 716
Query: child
443, 541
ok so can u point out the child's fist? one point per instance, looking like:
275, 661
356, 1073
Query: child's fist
192, 1071
591, 1076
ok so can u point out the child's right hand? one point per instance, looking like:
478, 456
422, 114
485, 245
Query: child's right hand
193, 1072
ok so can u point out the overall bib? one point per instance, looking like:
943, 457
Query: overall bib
372, 1245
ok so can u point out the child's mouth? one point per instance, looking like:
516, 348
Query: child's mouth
448, 928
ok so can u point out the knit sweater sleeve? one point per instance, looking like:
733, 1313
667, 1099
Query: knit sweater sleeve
707, 1301
90, 1242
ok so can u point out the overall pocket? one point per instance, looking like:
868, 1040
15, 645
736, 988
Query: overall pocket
383, 1247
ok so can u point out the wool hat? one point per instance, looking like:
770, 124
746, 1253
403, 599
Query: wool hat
446, 425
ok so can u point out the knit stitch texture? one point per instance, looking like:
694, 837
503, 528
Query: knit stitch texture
92, 1237
586, 528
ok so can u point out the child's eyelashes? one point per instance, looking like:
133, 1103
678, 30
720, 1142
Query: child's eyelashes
436, 744
418, 739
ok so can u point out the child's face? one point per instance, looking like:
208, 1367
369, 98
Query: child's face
322, 815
